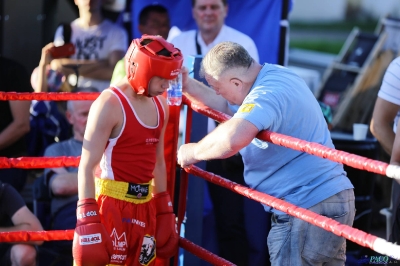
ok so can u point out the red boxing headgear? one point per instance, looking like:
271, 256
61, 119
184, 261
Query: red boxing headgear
151, 56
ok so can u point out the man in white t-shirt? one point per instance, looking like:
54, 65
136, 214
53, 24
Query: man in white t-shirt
228, 207
99, 44
384, 123
210, 19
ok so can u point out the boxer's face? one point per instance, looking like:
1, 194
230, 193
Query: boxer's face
157, 86
209, 15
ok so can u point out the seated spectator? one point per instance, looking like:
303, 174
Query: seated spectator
63, 182
14, 122
99, 44
153, 20
15, 216
48, 123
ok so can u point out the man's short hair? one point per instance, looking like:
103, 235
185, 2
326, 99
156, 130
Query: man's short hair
144, 14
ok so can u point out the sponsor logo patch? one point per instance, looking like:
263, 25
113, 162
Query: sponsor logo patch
246, 108
137, 191
119, 241
90, 239
148, 250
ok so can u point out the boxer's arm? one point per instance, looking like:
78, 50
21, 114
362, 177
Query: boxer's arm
160, 171
104, 116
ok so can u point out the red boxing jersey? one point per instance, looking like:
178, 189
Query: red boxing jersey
131, 156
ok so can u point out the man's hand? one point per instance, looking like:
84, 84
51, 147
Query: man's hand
46, 57
185, 77
186, 155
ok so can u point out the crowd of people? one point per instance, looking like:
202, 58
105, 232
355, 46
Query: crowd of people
130, 211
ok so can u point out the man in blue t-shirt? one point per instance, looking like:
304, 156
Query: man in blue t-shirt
271, 97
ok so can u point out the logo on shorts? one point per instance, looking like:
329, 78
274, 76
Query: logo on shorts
119, 241
90, 239
246, 108
137, 191
148, 250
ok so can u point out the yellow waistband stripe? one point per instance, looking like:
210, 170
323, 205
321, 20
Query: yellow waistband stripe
136, 193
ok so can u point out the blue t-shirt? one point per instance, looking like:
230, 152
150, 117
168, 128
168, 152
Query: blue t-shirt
281, 102
63, 209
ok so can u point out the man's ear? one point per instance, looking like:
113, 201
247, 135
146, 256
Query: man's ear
68, 116
237, 83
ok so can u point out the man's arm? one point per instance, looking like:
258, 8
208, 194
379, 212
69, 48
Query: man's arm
225, 141
382, 121
160, 171
64, 184
198, 92
24, 220
96, 69
19, 126
395, 156
103, 118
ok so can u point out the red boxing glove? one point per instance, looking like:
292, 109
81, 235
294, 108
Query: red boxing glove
167, 237
92, 245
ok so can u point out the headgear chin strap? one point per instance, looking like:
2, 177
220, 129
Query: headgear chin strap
151, 56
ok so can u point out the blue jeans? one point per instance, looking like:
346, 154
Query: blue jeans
293, 241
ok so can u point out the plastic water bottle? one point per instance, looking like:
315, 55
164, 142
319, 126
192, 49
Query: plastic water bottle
174, 91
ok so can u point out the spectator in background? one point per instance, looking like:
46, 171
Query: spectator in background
153, 20
48, 123
14, 122
15, 216
210, 19
99, 44
63, 182
44, 79
395, 159
228, 206
383, 126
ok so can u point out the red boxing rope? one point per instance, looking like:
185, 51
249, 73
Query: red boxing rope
52, 235
203, 253
25, 236
39, 162
346, 158
348, 232
48, 96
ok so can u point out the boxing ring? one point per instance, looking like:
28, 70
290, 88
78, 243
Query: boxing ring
359, 237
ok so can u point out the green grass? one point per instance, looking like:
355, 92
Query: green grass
368, 26
318, 45
327, 46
